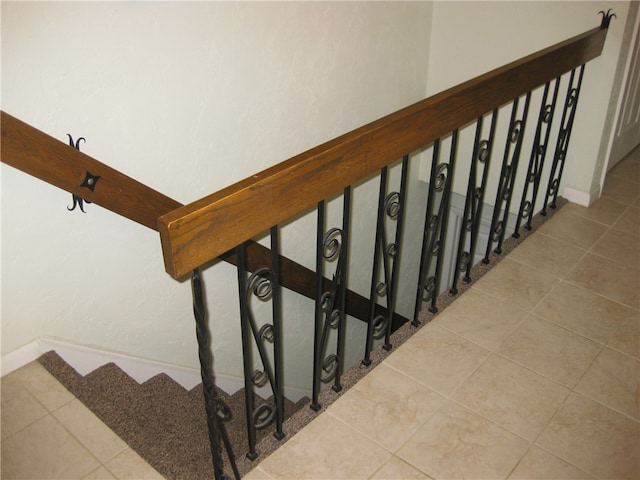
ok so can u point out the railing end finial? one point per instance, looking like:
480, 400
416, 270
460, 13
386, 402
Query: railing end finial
606, 18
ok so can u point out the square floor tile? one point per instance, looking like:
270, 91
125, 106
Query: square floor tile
457, 443
627, 338
604, 210
515, 283
90, 430
584, 312
45, 450
481, 318
594, 438
629, 221
387, 406
627, 168
550, 350
19, 407
326, 448
438, 358
614, 379
513, 396
43, 386
619, 246
549, 254
611, 279
257, 474
540, 465
100, 473
573, 229
397, 469
128, 465
621, 189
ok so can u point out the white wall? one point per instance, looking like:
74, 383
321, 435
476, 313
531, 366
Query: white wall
471, 38
187, 98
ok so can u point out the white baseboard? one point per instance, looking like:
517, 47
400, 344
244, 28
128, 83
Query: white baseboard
85, 359
580, 197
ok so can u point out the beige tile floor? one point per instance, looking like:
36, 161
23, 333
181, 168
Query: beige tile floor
534, 373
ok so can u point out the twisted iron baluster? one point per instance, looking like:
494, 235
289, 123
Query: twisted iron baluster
214, 407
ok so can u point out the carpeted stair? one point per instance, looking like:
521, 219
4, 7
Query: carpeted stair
164, 423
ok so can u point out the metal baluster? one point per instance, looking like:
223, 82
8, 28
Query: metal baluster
435, 228
507, 178
537, 158
247, 352
395, 209
216, 409
276, 304
570, 105
472, 215
264, 285
327, 316
376, 323
341, 273
517, 135
385, 255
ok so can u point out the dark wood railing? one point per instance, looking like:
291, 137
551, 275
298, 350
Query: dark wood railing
198, 232
42, 156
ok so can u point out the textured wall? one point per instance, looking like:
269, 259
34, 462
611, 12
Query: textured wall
187, 98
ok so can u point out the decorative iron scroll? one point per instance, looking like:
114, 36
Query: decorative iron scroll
384, 279
435, 228
264, 285
331, 246
562, 144
473, 204
89, 179
508, 172
537, 158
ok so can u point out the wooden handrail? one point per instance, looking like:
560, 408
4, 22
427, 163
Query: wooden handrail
196, 233
36, 153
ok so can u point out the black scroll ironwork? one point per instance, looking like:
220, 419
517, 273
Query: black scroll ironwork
263, 284
515, 136
562, 144
472, 215
391, 206
435, 228
88, 182
331, 246
537, 158
216, 409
